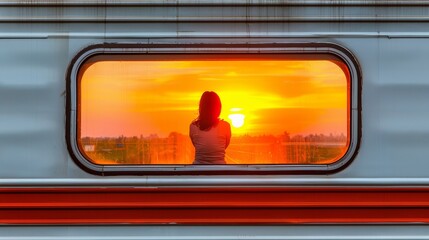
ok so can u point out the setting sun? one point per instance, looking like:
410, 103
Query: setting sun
237, 119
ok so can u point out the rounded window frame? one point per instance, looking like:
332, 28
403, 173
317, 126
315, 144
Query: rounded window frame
140, 49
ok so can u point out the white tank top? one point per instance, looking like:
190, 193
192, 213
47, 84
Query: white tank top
210, 145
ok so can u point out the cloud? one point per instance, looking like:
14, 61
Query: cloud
270, 93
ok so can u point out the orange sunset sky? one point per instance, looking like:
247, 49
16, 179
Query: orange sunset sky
131, 98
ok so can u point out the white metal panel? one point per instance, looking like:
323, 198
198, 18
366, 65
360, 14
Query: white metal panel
37, 43
32, 107
296, 232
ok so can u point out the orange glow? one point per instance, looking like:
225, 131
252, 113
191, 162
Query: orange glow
259, 97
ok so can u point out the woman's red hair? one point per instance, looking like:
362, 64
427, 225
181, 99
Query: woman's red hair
209, 111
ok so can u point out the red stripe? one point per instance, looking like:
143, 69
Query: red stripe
213, 205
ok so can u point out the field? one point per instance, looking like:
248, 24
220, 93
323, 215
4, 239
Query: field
177, 149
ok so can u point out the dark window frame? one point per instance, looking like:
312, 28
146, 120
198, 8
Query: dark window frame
142, 49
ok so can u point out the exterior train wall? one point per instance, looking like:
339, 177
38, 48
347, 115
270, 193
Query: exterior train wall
388, 40
385, 182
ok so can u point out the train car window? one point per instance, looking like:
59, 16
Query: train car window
135, 110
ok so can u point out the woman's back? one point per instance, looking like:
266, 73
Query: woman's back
210, 144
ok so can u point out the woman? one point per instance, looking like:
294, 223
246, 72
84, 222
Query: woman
209, 134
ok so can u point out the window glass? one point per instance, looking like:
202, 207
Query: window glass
281, 109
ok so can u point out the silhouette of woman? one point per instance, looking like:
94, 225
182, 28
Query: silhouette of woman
209, 134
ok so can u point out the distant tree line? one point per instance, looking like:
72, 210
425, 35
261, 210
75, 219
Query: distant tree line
177, 148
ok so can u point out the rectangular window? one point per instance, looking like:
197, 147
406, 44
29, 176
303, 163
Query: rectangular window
283, 109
